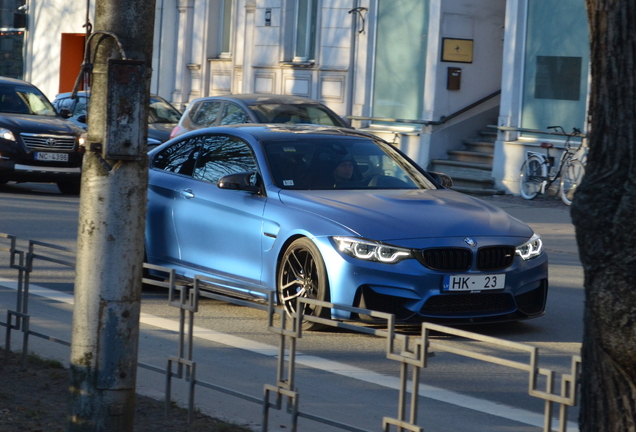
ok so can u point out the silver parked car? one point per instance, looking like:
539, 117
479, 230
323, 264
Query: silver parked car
255, 108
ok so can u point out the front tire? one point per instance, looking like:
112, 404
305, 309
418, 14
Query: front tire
69, 187
570, 180
302, 273
531, 177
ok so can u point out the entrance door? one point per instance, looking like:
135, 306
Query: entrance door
71, 59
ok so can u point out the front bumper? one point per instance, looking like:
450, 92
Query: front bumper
18, 162
11, 171
413, 292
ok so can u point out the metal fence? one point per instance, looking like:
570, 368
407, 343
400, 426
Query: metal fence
409, 352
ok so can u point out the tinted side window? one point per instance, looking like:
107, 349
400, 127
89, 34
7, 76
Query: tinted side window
321, 117
77, 106
206, 114
64, 103
222, 155
161, 111
233, 114
178, 158
81, 106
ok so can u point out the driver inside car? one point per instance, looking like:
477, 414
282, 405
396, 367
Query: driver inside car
343, 172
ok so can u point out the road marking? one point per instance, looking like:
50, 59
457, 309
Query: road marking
349, 371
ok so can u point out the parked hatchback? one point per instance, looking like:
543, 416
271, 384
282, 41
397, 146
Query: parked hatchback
162, 116
255, 108
36, 143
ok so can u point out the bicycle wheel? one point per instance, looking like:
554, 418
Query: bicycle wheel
571, 177
531, 176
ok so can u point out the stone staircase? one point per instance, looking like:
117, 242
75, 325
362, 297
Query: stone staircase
471, 167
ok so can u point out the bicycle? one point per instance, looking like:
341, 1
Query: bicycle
538, 171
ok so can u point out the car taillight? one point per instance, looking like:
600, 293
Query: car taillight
176, 131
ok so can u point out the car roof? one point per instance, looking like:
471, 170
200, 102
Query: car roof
267, 132
84, 93
67, 94
7, 80
261, 98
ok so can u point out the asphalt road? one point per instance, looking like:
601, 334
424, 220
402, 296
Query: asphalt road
342, 375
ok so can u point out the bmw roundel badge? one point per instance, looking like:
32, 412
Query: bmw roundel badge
470, 242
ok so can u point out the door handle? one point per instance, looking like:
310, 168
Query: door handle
187, 193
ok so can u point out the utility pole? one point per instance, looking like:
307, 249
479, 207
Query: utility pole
110, 247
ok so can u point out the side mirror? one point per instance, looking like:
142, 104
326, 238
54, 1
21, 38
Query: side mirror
443, 179
246, 181
82, 118
66, 113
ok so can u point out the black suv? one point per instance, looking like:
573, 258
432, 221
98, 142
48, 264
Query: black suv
36, 143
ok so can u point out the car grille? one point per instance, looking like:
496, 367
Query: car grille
48, 142
481, 304
453, 259
461, 259
495, 257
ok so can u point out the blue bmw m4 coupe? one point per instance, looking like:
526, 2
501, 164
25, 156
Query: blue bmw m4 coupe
337, 215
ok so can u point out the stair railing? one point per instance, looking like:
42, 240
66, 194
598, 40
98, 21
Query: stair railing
442, 120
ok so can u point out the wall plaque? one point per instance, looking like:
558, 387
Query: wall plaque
457, 50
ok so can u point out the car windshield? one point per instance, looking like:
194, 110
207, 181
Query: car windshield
355, 163
294, 113
161, 111
21, 99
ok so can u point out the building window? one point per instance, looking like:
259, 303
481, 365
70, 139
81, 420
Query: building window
11, 47
225, 36
400, 59
556, 66
305, 30
13, 21
558, 78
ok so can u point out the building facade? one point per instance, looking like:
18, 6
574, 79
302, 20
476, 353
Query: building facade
424, 74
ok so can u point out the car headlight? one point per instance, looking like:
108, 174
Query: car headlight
531, 249
6, 134
372, 251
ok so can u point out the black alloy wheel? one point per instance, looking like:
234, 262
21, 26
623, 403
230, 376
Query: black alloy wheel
69, 187
301, 273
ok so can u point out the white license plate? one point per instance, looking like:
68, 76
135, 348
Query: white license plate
56, 157
474, 282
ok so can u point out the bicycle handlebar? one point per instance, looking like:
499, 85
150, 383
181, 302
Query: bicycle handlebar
560, 128
568, 145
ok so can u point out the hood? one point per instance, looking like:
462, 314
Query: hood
389, 215
38, 124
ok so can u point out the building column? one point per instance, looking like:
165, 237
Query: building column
184, 44
198, 58
250, 22
508, 158
195, 81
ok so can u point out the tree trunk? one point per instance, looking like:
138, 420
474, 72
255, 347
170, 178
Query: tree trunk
604, 214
